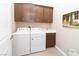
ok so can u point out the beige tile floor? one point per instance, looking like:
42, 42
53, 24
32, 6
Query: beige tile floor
49, 52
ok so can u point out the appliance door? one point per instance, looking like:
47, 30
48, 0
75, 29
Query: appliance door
21, 44
38, 42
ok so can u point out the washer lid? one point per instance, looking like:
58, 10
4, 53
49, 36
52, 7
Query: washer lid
22, 31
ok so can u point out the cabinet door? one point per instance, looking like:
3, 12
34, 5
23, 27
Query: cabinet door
48, 14
18, 11
27, 12
37, 13
50, 39
22, 12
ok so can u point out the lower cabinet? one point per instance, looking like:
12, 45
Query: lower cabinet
50, 39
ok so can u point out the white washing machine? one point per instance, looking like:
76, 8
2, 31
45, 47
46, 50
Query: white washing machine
21, 42
26, 41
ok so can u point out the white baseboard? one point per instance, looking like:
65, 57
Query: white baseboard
64, 54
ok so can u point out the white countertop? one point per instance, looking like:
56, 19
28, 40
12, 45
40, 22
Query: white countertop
43, 30
50, 31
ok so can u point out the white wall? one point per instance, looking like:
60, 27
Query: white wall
38, 25
66, 38
12, 18
5, 19
5, 29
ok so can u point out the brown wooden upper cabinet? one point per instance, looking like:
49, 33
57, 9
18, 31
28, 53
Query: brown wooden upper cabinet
26, 12
48, 14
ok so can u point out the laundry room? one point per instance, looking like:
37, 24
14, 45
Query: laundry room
39, 28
